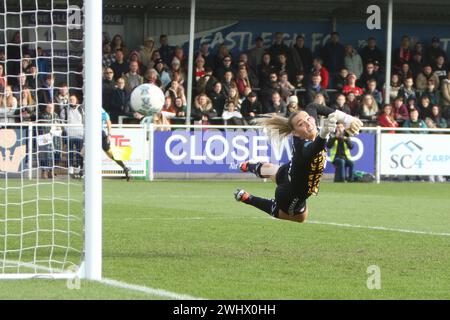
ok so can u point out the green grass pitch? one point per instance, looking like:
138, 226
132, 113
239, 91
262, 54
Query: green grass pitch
192, 237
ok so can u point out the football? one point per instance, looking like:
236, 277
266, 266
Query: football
147, 99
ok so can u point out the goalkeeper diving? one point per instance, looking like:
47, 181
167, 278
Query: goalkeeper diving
298, 179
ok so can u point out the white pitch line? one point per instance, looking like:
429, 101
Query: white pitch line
346, 225
335, 224
111, 282
152, 291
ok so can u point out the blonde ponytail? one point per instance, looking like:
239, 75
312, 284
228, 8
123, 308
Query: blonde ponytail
277, 127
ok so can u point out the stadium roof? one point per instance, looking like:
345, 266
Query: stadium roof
417, 10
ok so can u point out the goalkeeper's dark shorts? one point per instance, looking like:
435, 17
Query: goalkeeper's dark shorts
286, 195
105, 143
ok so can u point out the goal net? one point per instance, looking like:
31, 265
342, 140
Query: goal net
42, 223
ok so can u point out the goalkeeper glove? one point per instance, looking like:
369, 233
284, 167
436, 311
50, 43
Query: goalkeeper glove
352, 125
329, 126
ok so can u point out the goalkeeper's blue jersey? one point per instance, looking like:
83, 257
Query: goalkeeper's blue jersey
105, 118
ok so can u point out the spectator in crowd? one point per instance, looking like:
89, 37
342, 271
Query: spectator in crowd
251, 107
226, 66
372, 89
445, 91
120, 67
440, 68
400, 110
283, 66
174, 91
276, 105
218, 98
43, 65
118, 44
132, 77
206, 55
292, 105
333, 53
199, 68
255, 54
243, 80
436, 118
431, 92
168, 110
233, 95
351, 86
353, 61
407, 90
32, 78
411, 103
286, 87
318, 67
135, 57
180, 107
22, 81
109, 57
206, 83
165, 50
73, 114
222, 52
299, 82
369, 108
416, 64
387, 118
353, 103
120, 99
3, 79
48, 153
231, 114
315, 88
414, 121
418, 48
435, 50
402, 54
228, 82
27, 105
340, 145
302, 53
203, 110
163, 75
26, 64
341, 104
146, 51
368, 74
265, 69
46, 94
151, 76
405, 71
155, 56
278, 46
424, 107
180, 58
341, 79
62, 98
371, 52
108, 86
424, 76
8, 106
395, 86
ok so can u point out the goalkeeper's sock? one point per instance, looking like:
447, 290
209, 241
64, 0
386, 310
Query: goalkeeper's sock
120, 163
265, 205
255, 168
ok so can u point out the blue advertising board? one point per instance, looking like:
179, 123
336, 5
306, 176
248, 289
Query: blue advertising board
221, 151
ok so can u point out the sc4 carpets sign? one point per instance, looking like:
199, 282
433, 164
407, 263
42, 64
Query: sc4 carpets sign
415, 154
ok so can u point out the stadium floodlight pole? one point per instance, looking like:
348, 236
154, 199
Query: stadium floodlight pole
387, 97
190, 64
93, 160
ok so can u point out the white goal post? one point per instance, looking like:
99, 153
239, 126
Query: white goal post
50, 219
